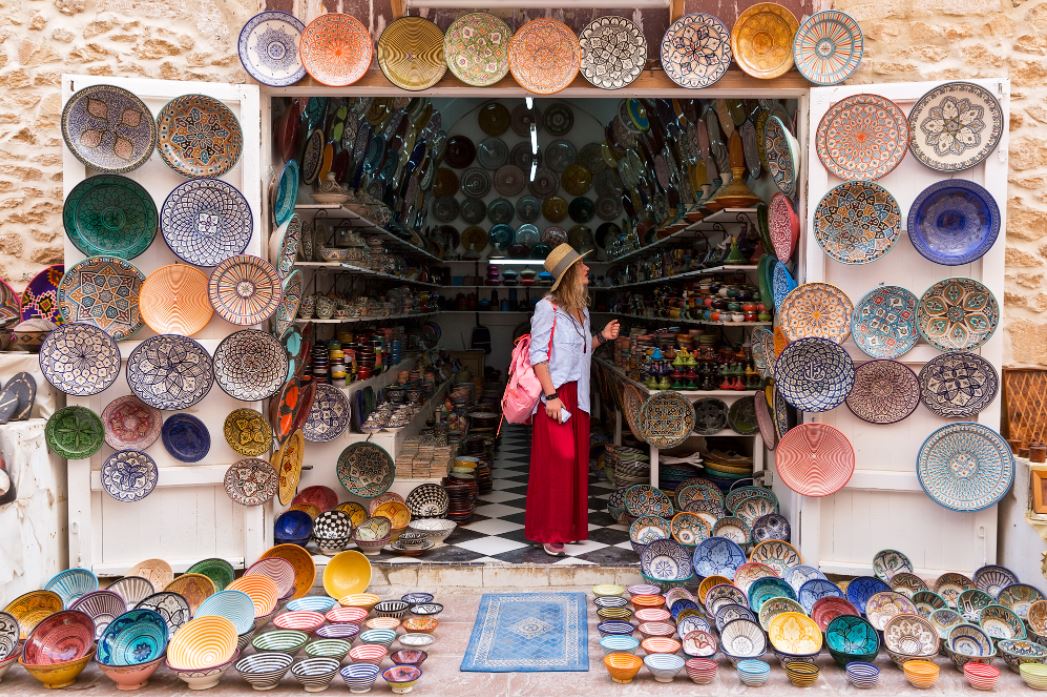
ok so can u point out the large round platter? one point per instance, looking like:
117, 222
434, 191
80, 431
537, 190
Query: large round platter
958, 384
110, 215
476, 47
955, 126
667, 419
287, 461
411, 53
815, 459
828, 47
250, 482
336, 49
169, 372
40, 296
428, 501
108, 128
129, 475
544, 56
633, 399
816, 310
74, 433
173, 300
957, 314
857, 222
80, 359
783, 156
247, 432
268, 48
696, 50
784, 226
186, 437
863, 136
290, 300
130, 424
365, 470
245, 290
329, 415
250, 365
103, 292
614, 52
762, 40
884, 392
814, 375
198, 136
205, 221
953, 222
965, 467
884, 322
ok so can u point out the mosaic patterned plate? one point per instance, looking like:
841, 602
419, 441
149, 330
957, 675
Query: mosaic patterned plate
206, 221
74, 433
268, 48
784, 226
643, 499
250, 482
110, 215
247, 432
40, 296
762, 40
287, 461
411, 53
544, 56
857, 222
614, 52
329, 415
108, 128
103, 292
828, 47
782, 283
186, 437
245, 290
129, 475
814, 375
290, 300
815, 459
667, 419
366, 470
953, 222
476, 47
286, 193
762, 341
199, 136
250, 365
957, 314
783, 156
80, 359
818, 310
863, 136
173, 300
130, 423
696, 50
955, 126
717, 556
884, 322
336, 49
958, 384
965, 467
169, 372
884, 392
666, 559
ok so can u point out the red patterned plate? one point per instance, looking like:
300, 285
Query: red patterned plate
545, 56
130, 423
784, 226
323, 497
864, 136
336, 49
815, 459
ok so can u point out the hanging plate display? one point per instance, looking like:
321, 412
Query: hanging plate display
814, 375
784, 226
288, 412
103, 292
884, 392
313, 157
108, 128
461, 151
173, 300
250, 365
863, 136
667, 419
965, 467
632, 403
762, 40
129, 475
198, 136
336, 49
614, 52
130, 424
955, 126
268, 48
40, 296
365, 470
783, 156
287, 461
74, 433
247, 432
206, 221
815, 459
742, 415
411, 53
110, 215
958, 384
250, 482
290, 300
884, 322
286, 193
80, 359
953, 222
492, 153
765, 421
10, 304
957, 314
816, 310
169, 372
283, 245
245, 290
857, 222
328, 416
186, 437
828, 47
696, 50
493, 118
428, 501
510, 180
544, 56
476, 47
782, 283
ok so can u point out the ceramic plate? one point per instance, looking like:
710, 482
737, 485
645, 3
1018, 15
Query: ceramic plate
816, 310
40, 296
815, 459
74, 433
857, 222
110, 215
329, 415
247, 432
10, 305
80, 359
782, 282
286, 193
965, 467
958, 384
290, 300
287, 461
365, 470
642, 499
129, 475
245, 290
103, 292
863, 136
828, 47
955, 126
783, 158
130, 424
957, 314
696, 50
169, 372
250, 482
198, 136
953, 222
250, 365
336, 49
667, 419
284, 244
814, 375
289, 411
476, 47
884, 322
544, 56
762, 40
206, 221
884, 392
108, 128
268, 48
784, 226
174, 300
717, 556
186, 437
411, 54
614, 52
493, 118
710, 415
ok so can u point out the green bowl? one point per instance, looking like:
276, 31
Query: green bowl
282, 640
328, 648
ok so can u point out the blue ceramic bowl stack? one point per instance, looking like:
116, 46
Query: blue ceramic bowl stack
753, 672
863, 675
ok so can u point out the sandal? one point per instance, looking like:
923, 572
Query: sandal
554, 550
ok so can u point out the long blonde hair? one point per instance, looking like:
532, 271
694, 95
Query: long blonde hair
572, 294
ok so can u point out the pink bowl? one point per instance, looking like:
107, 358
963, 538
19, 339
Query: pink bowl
302, 620
131, 677
351, 615
64, 636
652, 614
368, 653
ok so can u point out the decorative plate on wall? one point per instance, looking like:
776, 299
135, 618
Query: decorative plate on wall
958, 384
74, 433
169, 372
957, 314
476, 47
108, 128
884, 392
284, 244
815, 459
80, 359
290, 300
366, 470
762, 40
336, 49
129, 475
814, 375
614, 52
130, 423
965, 467
783, 155
287, 461
206, 221
955, 126
828, 47
199, 136
863, 136
110, 214
173, 300
782, 282
102, 291
696, 50
954, 222
245, 290
816, 310
667, 419
784, 226
247, 432
411, 53
710, 415
250, 482
493, 118
544, 56
250, 365
884, 322
186, 437
40, 295
329, 415
268, 48
857, 222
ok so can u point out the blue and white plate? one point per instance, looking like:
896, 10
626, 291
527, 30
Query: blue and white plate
958, 384
883, 323
814, 375
185, 437
782, 283
168, 371
667, 560
129, 475
965, 467
796, 576
815, 589
206, 221
717, 556
268, 48
862, 588
954, 222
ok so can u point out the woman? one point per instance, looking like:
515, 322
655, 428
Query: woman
561, 351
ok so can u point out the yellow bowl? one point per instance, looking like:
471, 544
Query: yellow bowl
55, 675
347, 573
622, 667
607, 589
32, 608
795, 633
203, 642
262, 591
362, 600
302, 563
707, 583
398, 513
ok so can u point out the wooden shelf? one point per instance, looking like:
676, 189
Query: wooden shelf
337, 211
722, 216
344, 267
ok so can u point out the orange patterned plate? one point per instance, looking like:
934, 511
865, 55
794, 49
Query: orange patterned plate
762, 40
287, 461
301, 560
395, 511
336, 49
173, 300
545, 56
195, 588
32, 608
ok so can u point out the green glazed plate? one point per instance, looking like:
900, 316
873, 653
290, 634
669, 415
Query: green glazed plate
74, 433
110, 215
218, 570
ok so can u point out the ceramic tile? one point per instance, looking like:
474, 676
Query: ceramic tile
492, 545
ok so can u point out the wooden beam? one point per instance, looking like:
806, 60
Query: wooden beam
398, 8
676, 10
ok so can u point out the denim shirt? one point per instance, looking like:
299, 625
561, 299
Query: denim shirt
572, 347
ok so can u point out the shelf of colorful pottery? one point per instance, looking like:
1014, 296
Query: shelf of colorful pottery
342, 266
706, 322
392, 441
383, 379
689, 394
358, 320
727, 215
339, 212
712, 271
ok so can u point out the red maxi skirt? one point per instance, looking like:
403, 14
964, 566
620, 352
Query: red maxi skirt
558, 485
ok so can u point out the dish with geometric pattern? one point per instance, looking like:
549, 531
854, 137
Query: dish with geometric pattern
250, 365
884, 322
198, 136
544, 56
614, 52
857, 222
287, 461
884, 392
864, 136
828, 47
108, 128
814, 375
80, 359
130, 423
762, 40
365, 470
965, 467
102, 291
783, 156
74, 433
245, 290
336, 49
955, 126
957, 314
696, 50
784, 226
290, 301
268, 48
428, 501
250, 482
329, 415
129, 475
958, 384
818, 310
667, 419
205, 221
476, 48
169, 372
247, 432
110, 215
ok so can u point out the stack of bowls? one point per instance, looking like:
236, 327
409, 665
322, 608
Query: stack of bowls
863, 675
360, 677
921, 674
1034, 675
315, 674
981, 676
801, 674
59, 648
701, 671
263, 670
753, 672
622, 667
201, 650
663, 666
132, 647
401, 678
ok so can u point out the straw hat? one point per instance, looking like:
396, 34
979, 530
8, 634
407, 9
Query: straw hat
560, 260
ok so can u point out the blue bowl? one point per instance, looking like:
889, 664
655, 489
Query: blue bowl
619, 643
313, 603
293, 526
615, 627
133, 638
71, 584
852, 635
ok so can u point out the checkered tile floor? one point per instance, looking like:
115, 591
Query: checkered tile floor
496, 532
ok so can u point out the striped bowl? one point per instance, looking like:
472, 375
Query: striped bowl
368, 653
302, 620
663, 666
202, 643
360, 677
328, 648
72, 583
391, 608
102, 607
202, 678
701, 671
287, 641
279, 570
338, 631
133, 589
315, 674
235, 606
355, 615
382, 623
619, 644
381, 637
364, 600
263, 671
316, 603
261, 589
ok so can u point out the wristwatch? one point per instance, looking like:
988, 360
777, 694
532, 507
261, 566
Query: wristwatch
551, 395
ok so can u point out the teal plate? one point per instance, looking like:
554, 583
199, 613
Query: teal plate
110, 215
286, 193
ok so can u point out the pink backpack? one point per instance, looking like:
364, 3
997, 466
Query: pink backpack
523, 389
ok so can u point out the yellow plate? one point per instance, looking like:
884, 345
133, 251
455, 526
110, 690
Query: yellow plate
287, 461
195, 588
762, 40
248, 432
347, 573
795, 633
301, 561
396, 512
31, 608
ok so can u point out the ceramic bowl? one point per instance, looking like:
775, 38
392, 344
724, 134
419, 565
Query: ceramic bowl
344, 630
381, 637
921, 674
408, 657
362, 600
701, 671
382, 623
801, 674
401, 679
135, 637
316, 603
429, 609
9, 660
303, 620
58, 674
202, 678
1034, 675
202, 642
244, 640
236, 606
981, 676
63, 637
360, 677
281, 640
131, 677
663, 666
425, 625
391, 608
368, 653
262, 591
619, 644
438, 529
351, 615
850, 638
416, 641
1016, 652
417, 598
615, 627
753, 672
863, 675
373, 548
293, 527
652, 614
315, 674
263, 671
622, 667
101, 606
72, 583
967, 643
610, 601
347, 572
660, 644
742, 639
328, 648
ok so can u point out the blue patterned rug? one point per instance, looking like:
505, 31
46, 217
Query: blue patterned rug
529, 633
